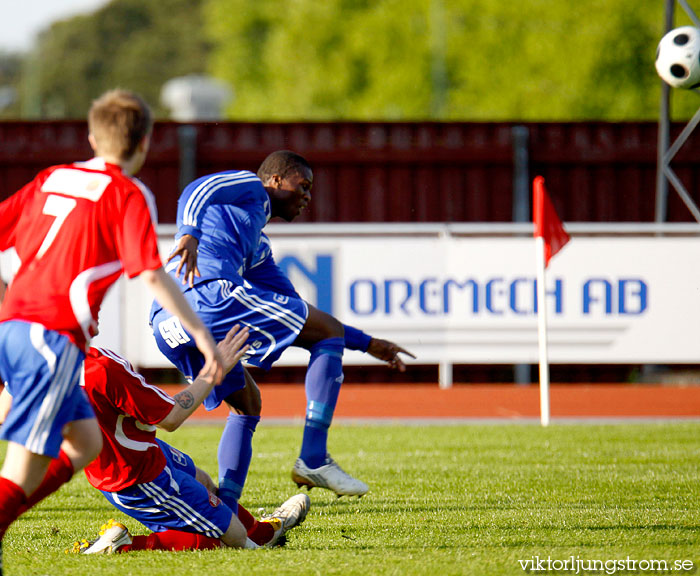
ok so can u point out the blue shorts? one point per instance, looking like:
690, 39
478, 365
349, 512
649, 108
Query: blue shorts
175, 500
274, 320
41, 369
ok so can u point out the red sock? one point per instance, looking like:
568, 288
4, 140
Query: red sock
12, 498
172, 540
259, 532
246, 518
58, 473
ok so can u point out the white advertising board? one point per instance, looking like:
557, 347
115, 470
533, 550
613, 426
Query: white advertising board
470, 299
609, 300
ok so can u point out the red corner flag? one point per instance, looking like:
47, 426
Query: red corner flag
547, 223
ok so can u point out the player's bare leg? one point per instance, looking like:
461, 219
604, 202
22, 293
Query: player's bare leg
247, 401
236, 535
82, 442
81, 445
23, 467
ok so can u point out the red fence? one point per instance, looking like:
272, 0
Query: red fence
398, 172
404, 172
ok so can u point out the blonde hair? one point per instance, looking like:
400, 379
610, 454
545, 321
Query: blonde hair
118, 120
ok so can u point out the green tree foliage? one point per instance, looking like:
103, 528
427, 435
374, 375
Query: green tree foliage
439, 59
484, 60
10, 75
136, 44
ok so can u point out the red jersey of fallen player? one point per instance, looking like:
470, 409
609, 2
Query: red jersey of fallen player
127, 409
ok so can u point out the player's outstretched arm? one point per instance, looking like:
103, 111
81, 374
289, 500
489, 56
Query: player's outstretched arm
232, 349
168, 295
187, 251
384, 350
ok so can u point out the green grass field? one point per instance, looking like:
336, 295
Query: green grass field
472, 499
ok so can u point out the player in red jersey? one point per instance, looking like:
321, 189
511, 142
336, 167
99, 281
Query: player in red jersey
151, 481
155, 483
76, 228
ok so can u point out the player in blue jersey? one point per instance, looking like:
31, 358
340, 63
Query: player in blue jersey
230, 277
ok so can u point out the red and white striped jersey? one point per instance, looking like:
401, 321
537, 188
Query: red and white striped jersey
75, 228
127, 409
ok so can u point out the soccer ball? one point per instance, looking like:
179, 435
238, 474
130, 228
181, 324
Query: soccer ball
678, 57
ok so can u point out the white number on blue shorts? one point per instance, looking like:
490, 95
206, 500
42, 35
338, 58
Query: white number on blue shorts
172, 332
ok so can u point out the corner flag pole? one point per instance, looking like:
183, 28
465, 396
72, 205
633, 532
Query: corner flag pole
542, 331
550, 237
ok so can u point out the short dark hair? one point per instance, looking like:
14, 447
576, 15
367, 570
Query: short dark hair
282, 163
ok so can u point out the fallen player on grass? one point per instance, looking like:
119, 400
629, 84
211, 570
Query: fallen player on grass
151, 481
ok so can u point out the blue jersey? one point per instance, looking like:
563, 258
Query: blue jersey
265, 274
239, 283
226, 212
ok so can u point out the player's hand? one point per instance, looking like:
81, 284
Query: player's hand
213, 369
389, 353
232, 347
187, 250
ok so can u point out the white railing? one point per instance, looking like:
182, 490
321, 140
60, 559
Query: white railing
466, 229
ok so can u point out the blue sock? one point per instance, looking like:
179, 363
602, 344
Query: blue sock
235, 453
323, 379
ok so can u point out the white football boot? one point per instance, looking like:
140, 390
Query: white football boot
113, 536
289, 514
330, 476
